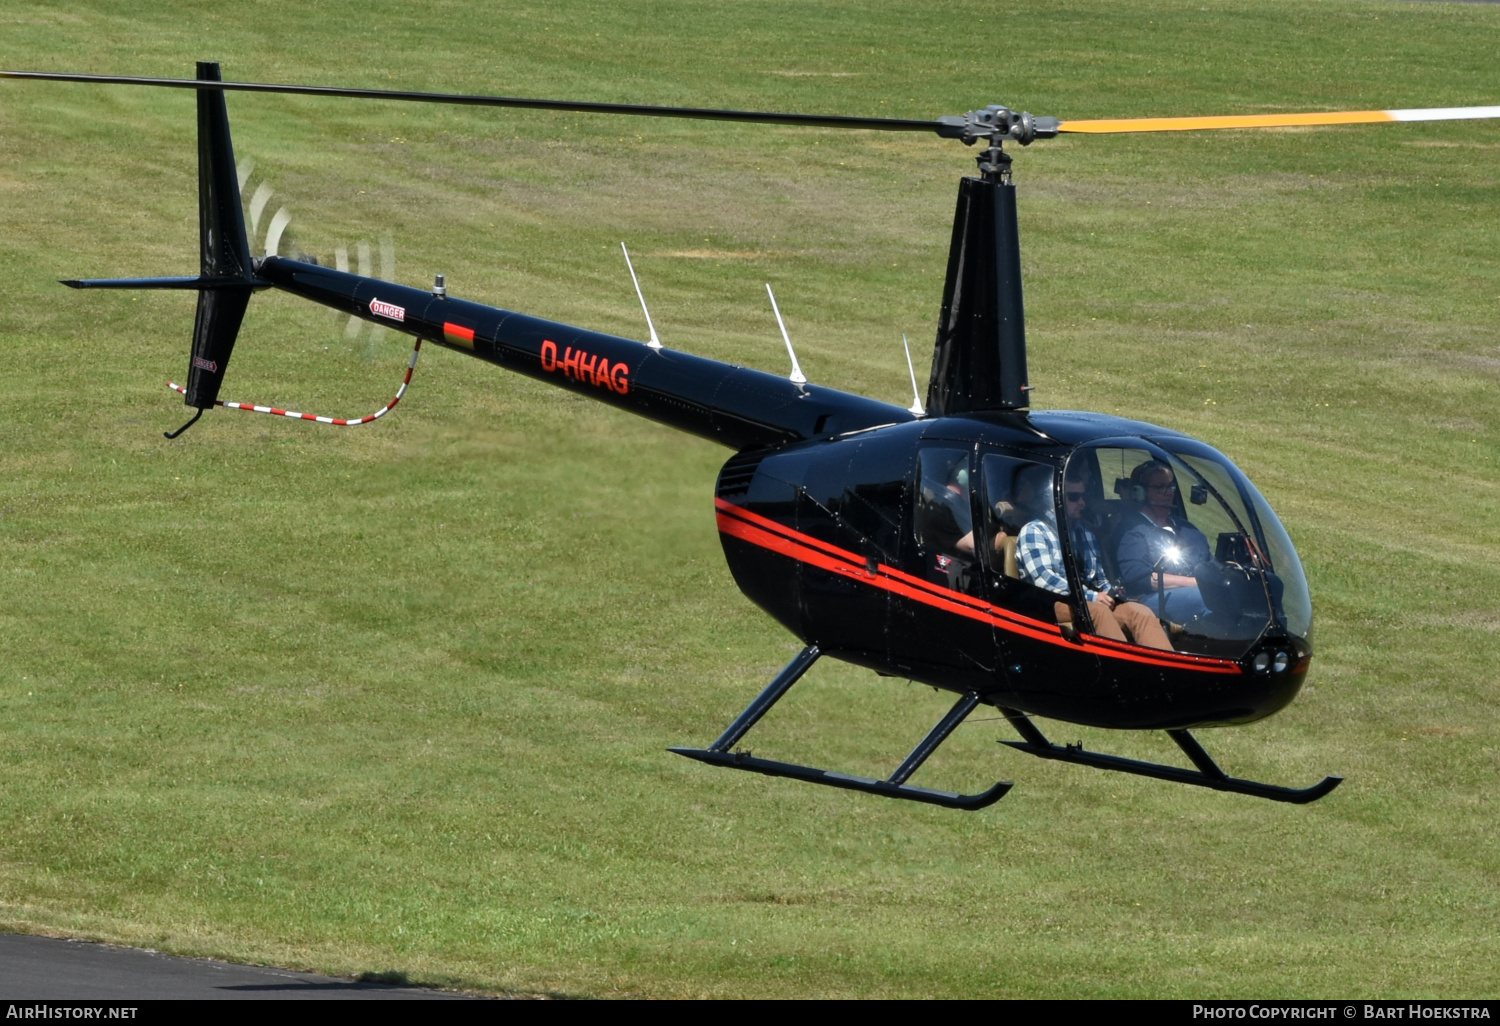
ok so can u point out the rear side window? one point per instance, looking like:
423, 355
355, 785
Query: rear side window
943, 518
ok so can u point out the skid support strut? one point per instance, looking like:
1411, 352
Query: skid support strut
1208, 773
719, 754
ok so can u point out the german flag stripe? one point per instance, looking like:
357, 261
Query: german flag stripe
458, 335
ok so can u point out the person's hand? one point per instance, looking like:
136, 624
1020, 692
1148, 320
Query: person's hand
1106, 600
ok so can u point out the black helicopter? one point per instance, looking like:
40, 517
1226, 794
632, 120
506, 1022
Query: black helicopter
883, 536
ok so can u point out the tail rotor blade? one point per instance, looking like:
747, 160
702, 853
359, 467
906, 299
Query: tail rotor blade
387, 273
362, 255
273, 233
258, 203
341, 263
364, 266
387, 258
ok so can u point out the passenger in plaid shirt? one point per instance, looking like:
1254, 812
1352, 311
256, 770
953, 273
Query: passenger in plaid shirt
1040, 558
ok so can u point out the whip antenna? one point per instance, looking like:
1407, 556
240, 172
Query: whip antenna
796, 376
916, 397
655, 342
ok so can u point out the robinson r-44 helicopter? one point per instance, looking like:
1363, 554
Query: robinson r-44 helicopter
883, 536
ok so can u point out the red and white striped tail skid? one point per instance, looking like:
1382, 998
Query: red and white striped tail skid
336, 421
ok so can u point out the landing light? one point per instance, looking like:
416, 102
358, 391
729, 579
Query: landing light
1262, 662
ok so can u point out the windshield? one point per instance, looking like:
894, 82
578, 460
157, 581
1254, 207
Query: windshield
1183, 533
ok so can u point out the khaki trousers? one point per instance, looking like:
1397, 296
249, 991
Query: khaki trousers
1143, 626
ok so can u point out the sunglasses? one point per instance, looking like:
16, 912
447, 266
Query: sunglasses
1074, 496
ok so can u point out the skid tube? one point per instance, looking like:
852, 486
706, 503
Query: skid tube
1208, 773
895, 786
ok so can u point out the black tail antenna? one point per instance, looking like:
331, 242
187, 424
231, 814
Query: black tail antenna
191, 421
226, 275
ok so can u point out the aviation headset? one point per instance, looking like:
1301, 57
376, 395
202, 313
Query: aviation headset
1140, 475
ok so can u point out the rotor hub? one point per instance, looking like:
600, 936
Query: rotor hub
998, 125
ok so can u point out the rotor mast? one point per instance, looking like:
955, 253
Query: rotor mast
979, 357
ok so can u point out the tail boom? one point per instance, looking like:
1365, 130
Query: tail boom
734, 406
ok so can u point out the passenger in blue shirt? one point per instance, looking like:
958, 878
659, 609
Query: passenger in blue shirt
1159, 550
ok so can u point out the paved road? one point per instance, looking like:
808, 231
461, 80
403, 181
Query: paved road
45, 968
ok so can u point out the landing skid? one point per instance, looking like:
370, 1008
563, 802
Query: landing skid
895, 786
884, 788
1208, 773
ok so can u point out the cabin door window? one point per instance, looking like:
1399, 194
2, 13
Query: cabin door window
944, 519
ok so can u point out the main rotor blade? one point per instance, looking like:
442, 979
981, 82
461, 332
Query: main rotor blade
954, 128
1347, 117
466, 99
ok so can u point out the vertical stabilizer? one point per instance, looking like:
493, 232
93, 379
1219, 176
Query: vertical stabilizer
224, 247
979, 361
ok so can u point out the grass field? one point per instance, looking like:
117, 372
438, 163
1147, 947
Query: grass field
396, 699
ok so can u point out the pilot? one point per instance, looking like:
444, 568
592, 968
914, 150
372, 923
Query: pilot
1159, 549
1040, 558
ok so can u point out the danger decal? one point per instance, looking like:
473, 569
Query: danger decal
388, 310
586, 367
203, 364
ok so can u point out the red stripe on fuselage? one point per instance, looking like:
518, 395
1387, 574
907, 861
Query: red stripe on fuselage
934, 590
812, 557
739, 522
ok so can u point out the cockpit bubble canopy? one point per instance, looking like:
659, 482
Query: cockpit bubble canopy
1184, 532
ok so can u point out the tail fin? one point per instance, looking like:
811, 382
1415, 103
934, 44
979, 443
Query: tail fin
979, 362
226, 274
224, 248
